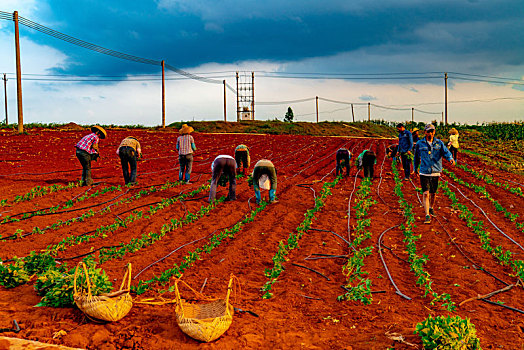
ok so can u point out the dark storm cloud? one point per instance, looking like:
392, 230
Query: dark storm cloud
436, 35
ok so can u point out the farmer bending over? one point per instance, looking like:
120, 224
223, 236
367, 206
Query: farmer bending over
405, 145
264, 169
343, 157
242, 158
87, 150
367, 160
226, 165
128, 151
392, 151
185, 144
428, 154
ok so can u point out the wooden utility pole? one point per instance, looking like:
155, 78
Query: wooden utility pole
5, 94
238, 107
446, 96
412, 115
369, 111
317, 107
352, 112
18, 76
163, 95
252, 95
225, 118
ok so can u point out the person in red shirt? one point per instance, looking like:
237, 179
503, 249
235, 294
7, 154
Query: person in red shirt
87, 150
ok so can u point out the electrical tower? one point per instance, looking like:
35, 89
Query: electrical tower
245, 96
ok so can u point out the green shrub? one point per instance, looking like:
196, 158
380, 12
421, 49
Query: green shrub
451, 333
38, 263
57, 288
13, 275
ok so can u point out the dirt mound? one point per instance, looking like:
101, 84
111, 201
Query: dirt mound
72, 126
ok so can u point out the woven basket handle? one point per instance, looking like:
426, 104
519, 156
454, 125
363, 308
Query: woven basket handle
81, 263
178, 300
127, 276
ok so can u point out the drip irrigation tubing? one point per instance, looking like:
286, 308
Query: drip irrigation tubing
484, 213
505, 306
385, 265
312, 270
336, 234
380, 182
69, 210
508, 180
474, 264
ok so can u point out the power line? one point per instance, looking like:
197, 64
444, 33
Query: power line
285, 102
489, 81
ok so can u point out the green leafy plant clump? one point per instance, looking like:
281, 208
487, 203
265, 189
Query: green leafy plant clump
448, 333
56, 286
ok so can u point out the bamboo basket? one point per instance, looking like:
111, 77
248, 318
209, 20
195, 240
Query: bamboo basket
204, 322
105, 307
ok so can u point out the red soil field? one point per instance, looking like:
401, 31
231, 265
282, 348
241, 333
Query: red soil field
304, 311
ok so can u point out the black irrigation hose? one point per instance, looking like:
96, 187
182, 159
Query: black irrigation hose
385, 265
484, 213
391, 251
310, 269
69, 210
339, 236
88, 253
507, 307
508, 180
475, 265
51, 172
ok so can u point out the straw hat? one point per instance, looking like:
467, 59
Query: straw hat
186, 129
453, 131
415, 129
100, 129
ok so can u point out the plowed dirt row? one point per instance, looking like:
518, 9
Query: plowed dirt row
304, 312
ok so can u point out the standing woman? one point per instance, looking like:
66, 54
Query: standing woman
453, 143
128, 151
185, 144
87, 150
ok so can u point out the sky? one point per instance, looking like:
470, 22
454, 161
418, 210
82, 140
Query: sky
390, 54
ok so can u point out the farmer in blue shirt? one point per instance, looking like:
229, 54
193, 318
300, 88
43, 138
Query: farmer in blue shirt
428, 154
405, 145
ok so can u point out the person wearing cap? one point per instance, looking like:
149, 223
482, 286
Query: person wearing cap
428, 154
129, 151
414, 134
343, 157
263, 169
185, 144
242, 158
405, 145
367, 160
223, 164
453, 143
87, 150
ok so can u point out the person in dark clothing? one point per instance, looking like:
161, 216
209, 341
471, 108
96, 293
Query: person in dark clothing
129, 151
405, 145
226, 165
87, 150
242, 158
392, 151
343, 157
367, 160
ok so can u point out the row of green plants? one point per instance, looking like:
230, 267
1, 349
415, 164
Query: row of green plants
191, 257
67, 205
104, 230
293, 238
491, 181
505, 258
150, 238
484, 192
417, 262
54, 282
40, 191
358, 286
90, 213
